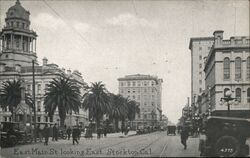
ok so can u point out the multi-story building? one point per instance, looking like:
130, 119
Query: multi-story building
17, 53
227, 68
199, 47
146, 90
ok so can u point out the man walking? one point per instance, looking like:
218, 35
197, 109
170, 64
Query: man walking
46, 134
75, 135
184, 137
68, 132
55, 133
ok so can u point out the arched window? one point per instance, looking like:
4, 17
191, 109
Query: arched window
226, 67
238, 94
248, 95
225, 90
248, 67
238, 68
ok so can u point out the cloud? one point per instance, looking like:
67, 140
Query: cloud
129, 20
48, 21
83, 27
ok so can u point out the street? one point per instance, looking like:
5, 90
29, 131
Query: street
156, 144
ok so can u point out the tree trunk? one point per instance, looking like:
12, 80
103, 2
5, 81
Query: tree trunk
116, 124
61, 122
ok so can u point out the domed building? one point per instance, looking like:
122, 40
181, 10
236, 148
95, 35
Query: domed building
17, 55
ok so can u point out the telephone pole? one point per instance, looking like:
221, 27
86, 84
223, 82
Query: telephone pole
34, 96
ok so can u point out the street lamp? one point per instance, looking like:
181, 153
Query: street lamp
227, 99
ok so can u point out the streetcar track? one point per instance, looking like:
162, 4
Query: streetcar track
109, 146
164, 149
160, 137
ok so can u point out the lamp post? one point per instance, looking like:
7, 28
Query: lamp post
34, 96
227, 99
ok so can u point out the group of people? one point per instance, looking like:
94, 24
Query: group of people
76, 134
49, 131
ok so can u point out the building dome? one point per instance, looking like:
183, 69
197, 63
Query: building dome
17, 11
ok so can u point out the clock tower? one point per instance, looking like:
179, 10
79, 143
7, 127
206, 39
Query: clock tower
18, 41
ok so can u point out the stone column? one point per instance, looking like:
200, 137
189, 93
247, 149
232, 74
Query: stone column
32, 45
35, 45
11, 41
22, 47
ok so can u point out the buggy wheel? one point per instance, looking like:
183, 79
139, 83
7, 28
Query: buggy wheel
227, 146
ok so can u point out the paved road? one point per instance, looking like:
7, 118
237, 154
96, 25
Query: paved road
156, 144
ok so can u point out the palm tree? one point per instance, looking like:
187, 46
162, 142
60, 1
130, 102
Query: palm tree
133, 109
119, 109
10, 95
62, 94
97, 101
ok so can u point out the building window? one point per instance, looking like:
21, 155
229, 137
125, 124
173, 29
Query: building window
200, 81
128, 90
38, 119
46, 118
17, 43
200, 90
145, 83
145, 103
133, 90
153, 90
248, 67
29, 89
248, 95
11, 23
39, 89
238, 68
139, 116
200, 57
39, 106
121, 91
121, 83
153, 97
23, 25
145, 116
153, 104
133, 83
153, 83
17, 24
200, 48
238, 94
139, 83
5, 118
200, 65
133, 97
138, 97
225, 90
226, 67
145, 90
128, 84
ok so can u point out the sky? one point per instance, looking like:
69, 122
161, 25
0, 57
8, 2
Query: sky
108, 39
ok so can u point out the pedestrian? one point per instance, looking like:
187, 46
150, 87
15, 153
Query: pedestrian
98, 133
184, 136
69, 132
75, 135
55, 133
105, 132
46, 133
79, 132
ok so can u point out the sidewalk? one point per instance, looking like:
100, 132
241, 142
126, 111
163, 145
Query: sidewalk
248, 143
117, 135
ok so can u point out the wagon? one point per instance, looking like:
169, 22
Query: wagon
171, 130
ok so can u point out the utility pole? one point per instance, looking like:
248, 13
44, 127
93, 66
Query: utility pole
34, 97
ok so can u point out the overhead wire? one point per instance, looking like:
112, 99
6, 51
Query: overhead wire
70, 26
